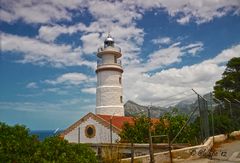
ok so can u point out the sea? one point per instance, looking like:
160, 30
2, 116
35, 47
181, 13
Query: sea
42, 134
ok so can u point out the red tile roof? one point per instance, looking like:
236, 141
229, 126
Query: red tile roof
118, 121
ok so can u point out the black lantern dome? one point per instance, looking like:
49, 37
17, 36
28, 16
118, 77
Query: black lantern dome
109, 41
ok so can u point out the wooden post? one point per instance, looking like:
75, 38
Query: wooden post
132, 152
150, 138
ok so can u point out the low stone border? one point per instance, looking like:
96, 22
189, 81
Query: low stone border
188, 153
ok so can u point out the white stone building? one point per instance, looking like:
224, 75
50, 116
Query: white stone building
106, 124
96, 128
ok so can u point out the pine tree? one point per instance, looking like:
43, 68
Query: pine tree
229, 86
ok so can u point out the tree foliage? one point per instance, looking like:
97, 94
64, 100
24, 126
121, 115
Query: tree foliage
222, 124
18, 146
229, 86
168, 124
136, 132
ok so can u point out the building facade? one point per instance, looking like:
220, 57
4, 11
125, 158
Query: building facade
92, 129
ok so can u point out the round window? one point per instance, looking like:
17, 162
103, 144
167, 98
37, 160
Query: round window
90, 131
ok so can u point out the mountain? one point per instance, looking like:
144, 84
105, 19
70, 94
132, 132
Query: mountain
132, 109
186, 107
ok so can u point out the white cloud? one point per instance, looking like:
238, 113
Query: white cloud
114, 11
193, 48
123, 13
32, 85
69, 78
184, 20
129, 38
184, 11
69, 105
143, 88
34, 11
163, 40
200, 11
171, 54
49, 33
72, 81
41, 53
91, 42
59, 91
225, 55
188, 75
89, 90
163, 57
122, 27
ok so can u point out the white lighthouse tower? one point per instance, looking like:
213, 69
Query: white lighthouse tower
109, 100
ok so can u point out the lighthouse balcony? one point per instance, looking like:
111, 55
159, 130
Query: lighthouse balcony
109, 66
116, 63
109, 49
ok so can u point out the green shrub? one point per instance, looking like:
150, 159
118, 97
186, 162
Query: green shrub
18, 146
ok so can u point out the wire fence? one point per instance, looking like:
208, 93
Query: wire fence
209, 108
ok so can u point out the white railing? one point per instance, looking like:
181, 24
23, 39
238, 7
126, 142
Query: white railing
100, 63
113, 48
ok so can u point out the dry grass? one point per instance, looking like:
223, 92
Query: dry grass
111, 155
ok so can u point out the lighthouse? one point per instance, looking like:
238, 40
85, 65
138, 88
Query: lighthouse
106, 124
109, 100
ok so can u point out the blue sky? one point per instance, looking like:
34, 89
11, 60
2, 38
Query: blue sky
48, 53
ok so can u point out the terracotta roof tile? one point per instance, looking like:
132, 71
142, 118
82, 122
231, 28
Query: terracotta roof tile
118, 121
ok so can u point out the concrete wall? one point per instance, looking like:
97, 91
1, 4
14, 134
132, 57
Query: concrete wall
102, 133
139, 149
180, 155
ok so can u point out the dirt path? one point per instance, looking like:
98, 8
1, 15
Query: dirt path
229, 151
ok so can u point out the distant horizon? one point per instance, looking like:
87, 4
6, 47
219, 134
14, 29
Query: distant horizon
48, 53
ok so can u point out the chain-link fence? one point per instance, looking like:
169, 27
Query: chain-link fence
203, 116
